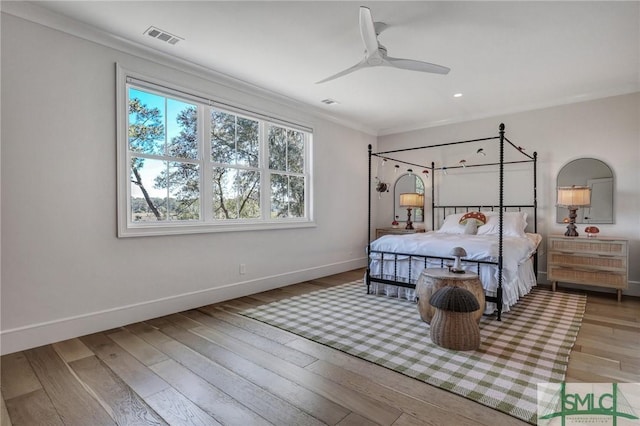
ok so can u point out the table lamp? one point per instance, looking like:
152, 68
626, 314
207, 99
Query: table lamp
573, 197
411, 200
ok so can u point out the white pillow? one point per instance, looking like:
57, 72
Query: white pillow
451, 224
513, 224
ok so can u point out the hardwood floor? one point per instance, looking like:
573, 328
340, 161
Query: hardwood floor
211, 366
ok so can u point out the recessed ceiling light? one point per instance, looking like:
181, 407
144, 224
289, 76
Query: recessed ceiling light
329, 101
457, 95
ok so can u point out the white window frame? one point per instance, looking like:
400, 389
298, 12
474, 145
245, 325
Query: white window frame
128, 228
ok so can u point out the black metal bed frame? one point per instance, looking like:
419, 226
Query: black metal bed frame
501, 209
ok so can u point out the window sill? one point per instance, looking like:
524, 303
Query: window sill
142, 230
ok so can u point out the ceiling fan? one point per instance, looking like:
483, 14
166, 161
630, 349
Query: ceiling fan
375, 54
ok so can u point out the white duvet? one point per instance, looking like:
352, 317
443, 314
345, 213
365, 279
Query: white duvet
518, 276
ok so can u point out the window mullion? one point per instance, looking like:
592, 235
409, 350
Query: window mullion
236, 187
167, 203
127, 175
307, 170
265, 175
206, 175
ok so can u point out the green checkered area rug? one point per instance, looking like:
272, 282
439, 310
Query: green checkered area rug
530, 345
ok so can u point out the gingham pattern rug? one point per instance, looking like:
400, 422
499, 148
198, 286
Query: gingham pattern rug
530, 345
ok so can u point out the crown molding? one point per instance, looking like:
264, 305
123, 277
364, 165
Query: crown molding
620, 91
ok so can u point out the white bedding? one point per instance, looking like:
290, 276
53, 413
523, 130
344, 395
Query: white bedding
518, 275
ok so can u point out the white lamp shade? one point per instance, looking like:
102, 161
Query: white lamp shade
576, 196
411, 199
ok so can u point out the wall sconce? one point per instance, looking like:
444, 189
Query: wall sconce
573, 197
411, 200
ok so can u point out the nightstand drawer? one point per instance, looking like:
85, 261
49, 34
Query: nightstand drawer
592, 246
586, 276
609, 263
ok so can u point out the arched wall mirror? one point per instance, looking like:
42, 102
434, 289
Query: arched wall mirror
598, 176
407, 182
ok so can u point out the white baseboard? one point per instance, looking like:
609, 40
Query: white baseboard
633, 290
33, 335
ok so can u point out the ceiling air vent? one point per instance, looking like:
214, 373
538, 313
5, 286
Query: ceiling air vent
329, 101
162, 35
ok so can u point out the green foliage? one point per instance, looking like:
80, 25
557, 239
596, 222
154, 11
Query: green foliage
286, 154
235, 142
146, 128
185, 145
142, 213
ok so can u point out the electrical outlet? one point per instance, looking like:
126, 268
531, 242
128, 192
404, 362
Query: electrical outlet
243, 268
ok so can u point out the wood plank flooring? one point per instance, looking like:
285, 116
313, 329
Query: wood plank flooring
210, 366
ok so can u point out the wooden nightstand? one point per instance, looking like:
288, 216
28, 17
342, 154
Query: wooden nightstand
400, 230
600, 262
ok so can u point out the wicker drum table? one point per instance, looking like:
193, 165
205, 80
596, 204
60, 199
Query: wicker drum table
433, 279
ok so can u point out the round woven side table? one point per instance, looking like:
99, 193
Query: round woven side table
433, 279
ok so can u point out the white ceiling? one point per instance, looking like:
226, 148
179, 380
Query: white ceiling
504, 56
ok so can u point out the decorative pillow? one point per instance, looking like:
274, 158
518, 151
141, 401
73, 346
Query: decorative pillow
471, 227
478, 217
513, 224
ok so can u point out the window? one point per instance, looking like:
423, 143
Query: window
235, 155
163, 152
193, 165
286, 164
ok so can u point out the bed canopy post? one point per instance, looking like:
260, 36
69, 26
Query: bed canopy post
367, 275
499, 293
535, 208
433, 196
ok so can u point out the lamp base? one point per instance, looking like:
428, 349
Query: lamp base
571, 228
409, 223
571, 232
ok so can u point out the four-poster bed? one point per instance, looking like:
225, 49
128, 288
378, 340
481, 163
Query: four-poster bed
398, 260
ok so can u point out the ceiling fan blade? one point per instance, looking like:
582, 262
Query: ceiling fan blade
368, 31
409, 64
361, 64
376, 54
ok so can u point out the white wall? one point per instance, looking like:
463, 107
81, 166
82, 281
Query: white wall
607, 129
64, 272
